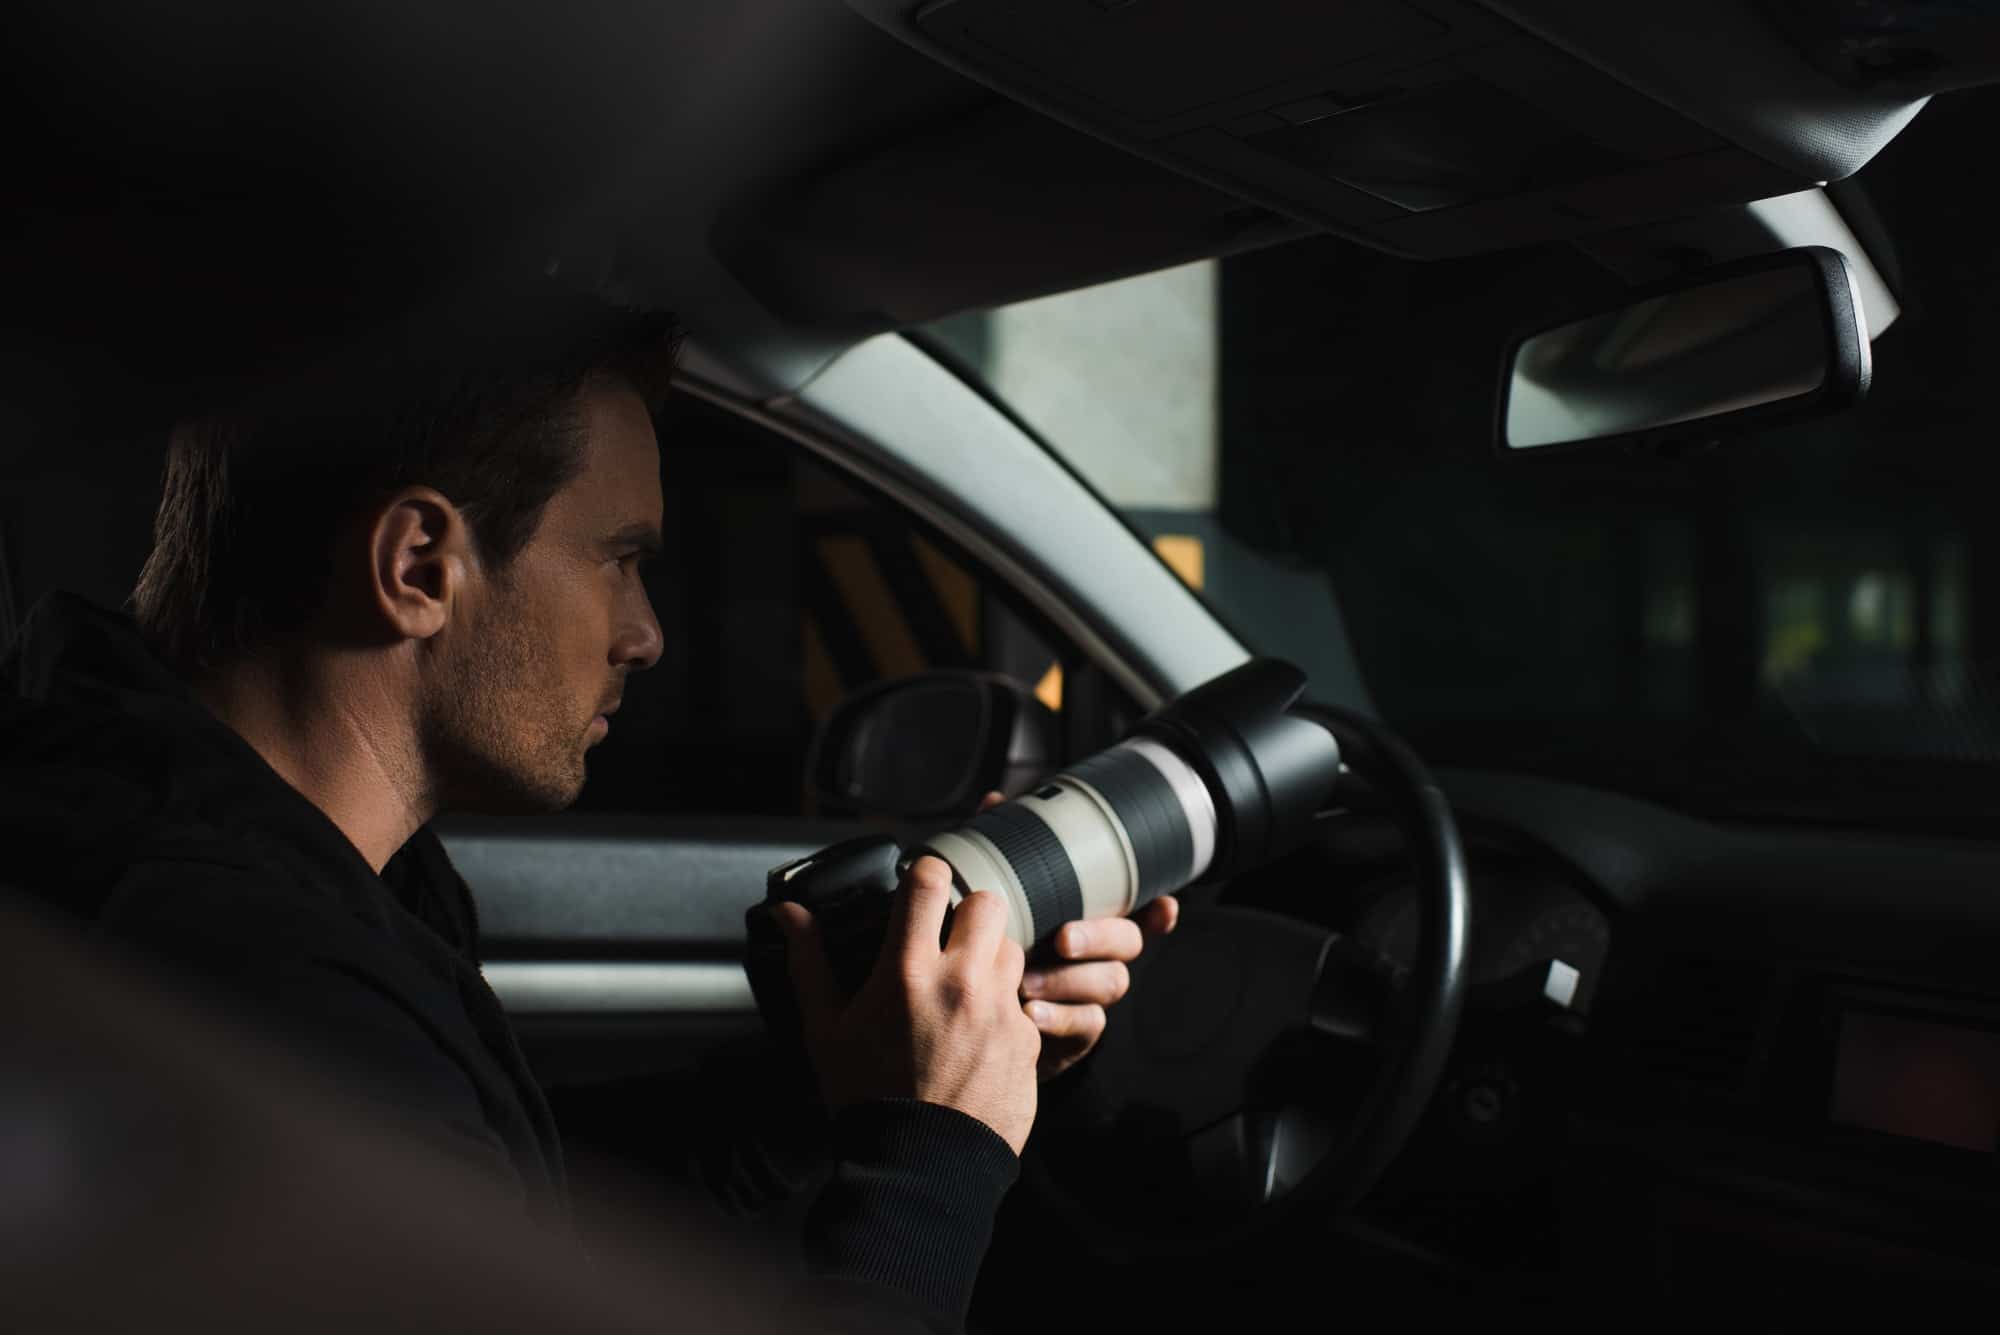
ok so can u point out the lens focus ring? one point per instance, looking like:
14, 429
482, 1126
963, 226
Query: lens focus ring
1048, 878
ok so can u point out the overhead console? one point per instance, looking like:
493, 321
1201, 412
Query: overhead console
1428, 128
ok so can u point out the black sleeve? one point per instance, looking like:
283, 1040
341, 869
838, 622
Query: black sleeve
909, 1207
753, 1134
899, 1195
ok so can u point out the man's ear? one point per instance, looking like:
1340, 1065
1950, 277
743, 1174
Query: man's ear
420, 560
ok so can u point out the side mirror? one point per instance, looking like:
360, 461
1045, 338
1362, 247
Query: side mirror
1735, 348
930, 746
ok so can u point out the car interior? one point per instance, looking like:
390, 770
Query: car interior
1068, 353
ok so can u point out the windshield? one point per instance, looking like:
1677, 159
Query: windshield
1799, 626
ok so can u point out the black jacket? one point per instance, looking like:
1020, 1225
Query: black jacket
124, 801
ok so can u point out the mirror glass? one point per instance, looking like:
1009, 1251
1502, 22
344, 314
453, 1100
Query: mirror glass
932, 745
916, 748
1711, 348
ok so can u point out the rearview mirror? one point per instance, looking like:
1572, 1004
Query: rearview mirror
1735, 348
930, 746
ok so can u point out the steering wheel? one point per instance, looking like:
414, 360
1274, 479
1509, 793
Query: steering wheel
1263, 1066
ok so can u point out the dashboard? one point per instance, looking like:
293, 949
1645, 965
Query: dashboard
1701, 1063
1531, 930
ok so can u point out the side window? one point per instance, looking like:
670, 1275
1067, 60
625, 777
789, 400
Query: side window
783, 588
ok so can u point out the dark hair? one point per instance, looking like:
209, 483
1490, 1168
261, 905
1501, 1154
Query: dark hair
480, 401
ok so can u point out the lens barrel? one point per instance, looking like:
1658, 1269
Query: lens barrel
1220, 779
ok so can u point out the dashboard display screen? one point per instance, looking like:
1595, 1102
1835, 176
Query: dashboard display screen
1918, 1078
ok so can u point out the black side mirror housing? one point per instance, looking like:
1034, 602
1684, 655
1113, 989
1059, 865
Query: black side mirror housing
930, 746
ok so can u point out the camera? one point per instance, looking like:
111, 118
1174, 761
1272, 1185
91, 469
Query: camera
1226, 777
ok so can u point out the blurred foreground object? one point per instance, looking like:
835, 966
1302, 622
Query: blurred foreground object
159, 1172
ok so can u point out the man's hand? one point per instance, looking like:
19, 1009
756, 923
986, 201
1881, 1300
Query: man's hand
1068, 1001
943, 1025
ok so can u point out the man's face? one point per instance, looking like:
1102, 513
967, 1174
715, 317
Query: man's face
521, 692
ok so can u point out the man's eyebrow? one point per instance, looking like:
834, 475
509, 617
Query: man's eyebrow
643, 536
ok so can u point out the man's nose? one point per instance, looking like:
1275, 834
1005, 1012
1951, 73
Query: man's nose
641, 644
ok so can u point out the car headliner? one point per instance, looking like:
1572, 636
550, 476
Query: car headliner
195, 191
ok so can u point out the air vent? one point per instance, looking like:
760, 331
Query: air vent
1697, 1027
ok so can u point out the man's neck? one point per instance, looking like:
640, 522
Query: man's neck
329, 735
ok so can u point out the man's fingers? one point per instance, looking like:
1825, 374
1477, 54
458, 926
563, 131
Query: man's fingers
1159, 917
991, 800
1078, 1024
1100, 939
1101, 983
978, 927
918, 916
805, 957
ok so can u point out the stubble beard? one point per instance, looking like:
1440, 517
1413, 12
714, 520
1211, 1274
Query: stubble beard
496, 729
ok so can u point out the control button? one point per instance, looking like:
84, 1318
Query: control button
1484, 1104
1560, 986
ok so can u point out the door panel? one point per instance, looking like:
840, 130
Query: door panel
668, 885
616, 941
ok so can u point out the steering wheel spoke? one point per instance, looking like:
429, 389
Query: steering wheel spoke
1254, 1157
1299, 1137
1353, 995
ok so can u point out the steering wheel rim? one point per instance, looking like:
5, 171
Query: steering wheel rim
1416, 1028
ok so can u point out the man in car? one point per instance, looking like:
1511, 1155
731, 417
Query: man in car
406, 582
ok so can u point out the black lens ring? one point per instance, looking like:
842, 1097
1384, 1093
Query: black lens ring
1146, 804
1048, 878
